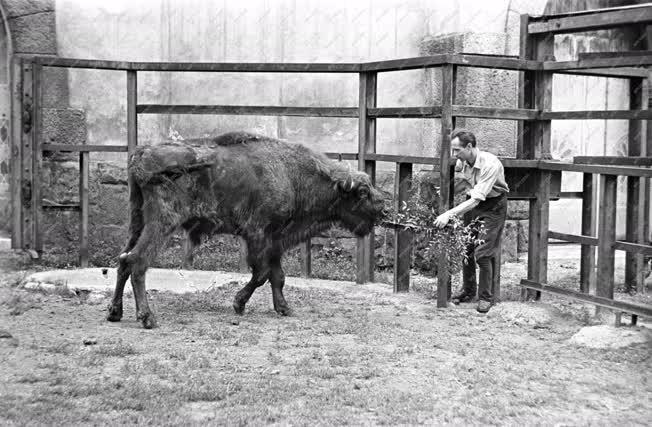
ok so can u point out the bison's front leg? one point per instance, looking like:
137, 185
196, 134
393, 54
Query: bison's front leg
277, 278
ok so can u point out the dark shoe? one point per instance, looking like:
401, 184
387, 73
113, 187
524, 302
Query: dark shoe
483, 306
462, 296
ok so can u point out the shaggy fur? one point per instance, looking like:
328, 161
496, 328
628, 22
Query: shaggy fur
272, 193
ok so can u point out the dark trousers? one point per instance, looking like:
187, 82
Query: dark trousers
492, 212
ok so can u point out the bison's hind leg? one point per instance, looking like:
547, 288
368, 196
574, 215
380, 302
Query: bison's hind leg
124, 271
277, 280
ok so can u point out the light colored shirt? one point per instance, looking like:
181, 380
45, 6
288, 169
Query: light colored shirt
485, 179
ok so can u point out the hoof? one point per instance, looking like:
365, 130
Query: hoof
283, 310
115, 314
148, 321
238, 308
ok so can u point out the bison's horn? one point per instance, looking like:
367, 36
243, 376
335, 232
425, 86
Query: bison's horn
346, 184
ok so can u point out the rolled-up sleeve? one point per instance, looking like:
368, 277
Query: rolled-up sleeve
488, 176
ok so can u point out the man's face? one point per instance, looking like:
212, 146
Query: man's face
459, 151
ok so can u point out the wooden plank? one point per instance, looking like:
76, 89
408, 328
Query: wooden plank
405, 63
402, 236
614, 73
405, 112
635, 213
538, 231
342, 156
526, 92
486, 61
587, 251
241, 67
395, 158
597, 115
613, 160
575, 238
60, 207
584, 64
37, 155
254, 110
83, 211
16, 153
628, 53
84, 148
546, 17
495, 113
449, 77
366, 144
591, 22
570, 195
634, 248
132, 114
598, 169
606, 236
627, 307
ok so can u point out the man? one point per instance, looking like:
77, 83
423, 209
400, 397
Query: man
487, 190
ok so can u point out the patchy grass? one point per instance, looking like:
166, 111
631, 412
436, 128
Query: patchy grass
348, 355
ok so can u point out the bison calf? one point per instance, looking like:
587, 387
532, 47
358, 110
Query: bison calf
272, 193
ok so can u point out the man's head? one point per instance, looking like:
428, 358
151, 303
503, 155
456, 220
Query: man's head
462, 145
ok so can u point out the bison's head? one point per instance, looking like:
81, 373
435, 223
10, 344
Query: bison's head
360, 204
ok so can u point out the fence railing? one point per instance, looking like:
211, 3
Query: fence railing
534, 114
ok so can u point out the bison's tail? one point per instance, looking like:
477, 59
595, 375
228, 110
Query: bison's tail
136, 221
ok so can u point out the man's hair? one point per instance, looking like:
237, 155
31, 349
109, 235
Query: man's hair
466, 137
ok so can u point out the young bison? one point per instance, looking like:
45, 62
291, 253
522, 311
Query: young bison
272, 193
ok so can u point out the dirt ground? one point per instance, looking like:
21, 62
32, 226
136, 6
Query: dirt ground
349, 354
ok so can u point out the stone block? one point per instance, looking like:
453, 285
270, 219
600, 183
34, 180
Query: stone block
55, 87
518, 209
34, 33
18, 8
111, 174
510, 242
64, 126
479, 87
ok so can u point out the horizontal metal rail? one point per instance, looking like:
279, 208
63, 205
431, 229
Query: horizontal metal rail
627, 307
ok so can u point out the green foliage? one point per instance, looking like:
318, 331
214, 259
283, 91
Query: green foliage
431, 243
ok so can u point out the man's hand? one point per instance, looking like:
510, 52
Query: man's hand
442, 220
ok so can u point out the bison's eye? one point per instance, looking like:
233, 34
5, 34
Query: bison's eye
363, 192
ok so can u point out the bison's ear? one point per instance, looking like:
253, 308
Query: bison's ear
346, 184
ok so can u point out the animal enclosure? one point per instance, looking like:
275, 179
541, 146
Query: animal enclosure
534, 115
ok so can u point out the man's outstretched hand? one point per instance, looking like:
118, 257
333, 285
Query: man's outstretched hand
442, 220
